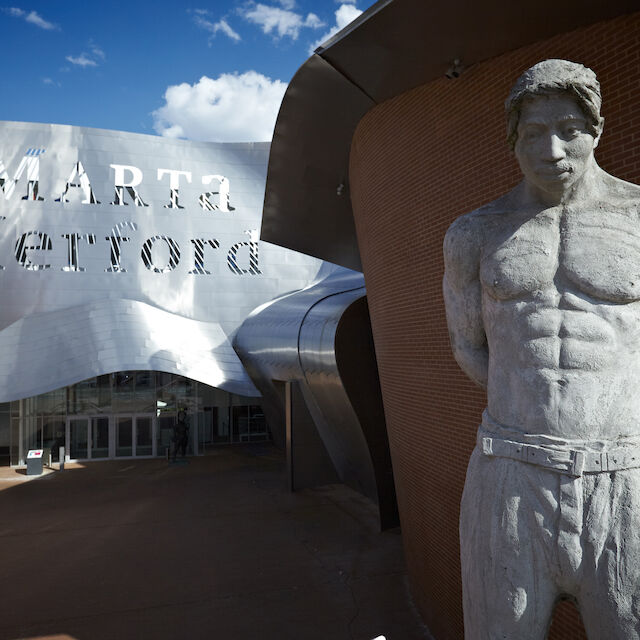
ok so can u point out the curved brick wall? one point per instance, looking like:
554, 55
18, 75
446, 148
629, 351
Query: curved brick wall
417, 162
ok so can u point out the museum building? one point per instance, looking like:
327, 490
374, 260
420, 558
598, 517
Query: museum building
128, 264
135, 287
139, 279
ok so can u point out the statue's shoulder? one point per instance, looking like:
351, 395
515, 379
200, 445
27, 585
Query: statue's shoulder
473, 226
622, 194
466, 237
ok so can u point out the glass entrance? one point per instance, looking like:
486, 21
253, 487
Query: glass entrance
87, 437
78, 438
120, 436
134, 435
124, 436
99, 437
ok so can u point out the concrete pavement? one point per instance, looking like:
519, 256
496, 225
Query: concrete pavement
214, 549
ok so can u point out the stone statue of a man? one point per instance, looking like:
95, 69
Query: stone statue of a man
542, 293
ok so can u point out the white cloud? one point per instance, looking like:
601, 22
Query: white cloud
345, 14
288, 4
82, 60
88, 60
231, 108
32, 17
282, 22
39, 21
223, 25
96, 50
213, 27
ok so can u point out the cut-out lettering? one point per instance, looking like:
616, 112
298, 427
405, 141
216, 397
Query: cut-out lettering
221, 200
147, 254
32, 241
72, 249
115, 239
29, 163
232, 256
79, 180
198, 254
174, 185
123, 186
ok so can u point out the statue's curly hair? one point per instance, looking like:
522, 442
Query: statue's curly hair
555, 76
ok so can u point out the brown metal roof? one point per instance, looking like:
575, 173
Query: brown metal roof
394, 46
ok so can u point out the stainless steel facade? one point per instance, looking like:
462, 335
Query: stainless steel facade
320, 338
130, 253
122, 251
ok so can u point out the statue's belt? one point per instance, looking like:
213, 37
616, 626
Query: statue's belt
573, 457
574, 462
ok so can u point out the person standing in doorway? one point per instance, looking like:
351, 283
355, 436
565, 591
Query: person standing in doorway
180, 435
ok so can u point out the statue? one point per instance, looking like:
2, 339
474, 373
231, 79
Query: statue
542, 295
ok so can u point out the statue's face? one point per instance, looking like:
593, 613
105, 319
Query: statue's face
554, 148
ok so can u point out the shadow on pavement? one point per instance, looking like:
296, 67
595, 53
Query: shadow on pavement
215, 548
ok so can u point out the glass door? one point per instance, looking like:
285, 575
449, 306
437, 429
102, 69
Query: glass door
87, 437
124, 436
120, 436
134, 435
99, 437
144, 435
78, 438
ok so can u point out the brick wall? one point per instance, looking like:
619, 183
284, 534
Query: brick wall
418, 161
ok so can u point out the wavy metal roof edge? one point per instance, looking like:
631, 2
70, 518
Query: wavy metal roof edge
117, 133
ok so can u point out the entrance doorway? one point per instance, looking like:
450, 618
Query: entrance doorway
87, 438
119, 436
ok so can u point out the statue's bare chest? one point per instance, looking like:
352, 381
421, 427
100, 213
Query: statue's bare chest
596, 253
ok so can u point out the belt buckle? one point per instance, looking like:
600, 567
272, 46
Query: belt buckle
572, 463
577, 467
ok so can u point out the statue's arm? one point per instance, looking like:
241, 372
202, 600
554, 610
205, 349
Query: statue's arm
463, 298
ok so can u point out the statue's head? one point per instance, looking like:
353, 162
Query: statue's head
554, 125
554, 77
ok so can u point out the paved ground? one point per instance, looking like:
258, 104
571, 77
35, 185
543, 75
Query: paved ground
215, 549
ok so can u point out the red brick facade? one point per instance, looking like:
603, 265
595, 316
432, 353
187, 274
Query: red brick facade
418, 161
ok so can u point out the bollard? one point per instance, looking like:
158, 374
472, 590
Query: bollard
61, 458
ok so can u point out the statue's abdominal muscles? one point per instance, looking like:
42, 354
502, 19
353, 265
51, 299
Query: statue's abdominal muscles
563, 329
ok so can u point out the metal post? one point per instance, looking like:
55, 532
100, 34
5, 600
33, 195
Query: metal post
61, 458
289, 433
21, 430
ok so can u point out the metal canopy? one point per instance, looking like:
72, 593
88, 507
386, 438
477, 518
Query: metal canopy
394, 46
317, 118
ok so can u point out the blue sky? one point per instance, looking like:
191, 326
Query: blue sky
212, 70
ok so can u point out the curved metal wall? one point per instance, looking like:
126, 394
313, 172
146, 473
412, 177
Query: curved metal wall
124, 251
321, 338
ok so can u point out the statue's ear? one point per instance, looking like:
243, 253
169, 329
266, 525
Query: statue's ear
600, 127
